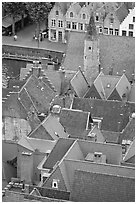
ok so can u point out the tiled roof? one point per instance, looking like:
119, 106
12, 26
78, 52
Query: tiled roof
97, 187
63, 6
37, 144
75, 52
24, 72
57, 153
16, 84
92, 93
121, 13
39, 92
64, 102
76, 7
75, 122
117, 113
110, 137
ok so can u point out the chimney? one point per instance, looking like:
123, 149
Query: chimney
62, 78
36, 69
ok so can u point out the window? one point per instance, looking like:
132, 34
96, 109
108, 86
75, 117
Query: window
111, 20
81, 26
60, 24
53, 22
130, 33
133, 19
124, 32
100, 30
116, 31
111, 31
53, 36
68, 24
105, 30
97, 18
84, 16
74, 25
131, 26
55, 183
57, 13
89, 48
71, 14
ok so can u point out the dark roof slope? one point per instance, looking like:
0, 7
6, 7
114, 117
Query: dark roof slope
121, 13
58, 152
96, 187
117, 113
92, 93
74, 121
111, 137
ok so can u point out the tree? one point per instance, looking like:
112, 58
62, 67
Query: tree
15, 9
38, 12
91, 28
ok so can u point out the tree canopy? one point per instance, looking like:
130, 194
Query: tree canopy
38, 11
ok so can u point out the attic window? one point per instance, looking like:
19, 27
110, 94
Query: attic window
97, 18
84, 16
108, 85
57, 13
71, 14
55, 183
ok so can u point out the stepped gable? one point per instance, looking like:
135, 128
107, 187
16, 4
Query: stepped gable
11, 106
117, 113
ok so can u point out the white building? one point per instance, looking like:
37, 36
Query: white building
127, 27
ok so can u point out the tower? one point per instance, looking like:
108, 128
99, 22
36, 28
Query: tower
91, 52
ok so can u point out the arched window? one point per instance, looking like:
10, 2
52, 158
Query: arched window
84, 16
71, 14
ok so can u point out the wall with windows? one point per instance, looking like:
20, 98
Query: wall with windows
127, 27
111, 24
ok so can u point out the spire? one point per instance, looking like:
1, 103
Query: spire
91, 29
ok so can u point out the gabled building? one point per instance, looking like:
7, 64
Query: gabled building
109, 87
114, 19
127, 27
56, 21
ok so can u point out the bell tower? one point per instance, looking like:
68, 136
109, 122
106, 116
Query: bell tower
91, 52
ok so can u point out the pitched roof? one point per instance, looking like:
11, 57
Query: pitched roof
39, 93
74, 121
50, 128
110, 137
16, 84
36, 144
117, 113
121, 13
63, 6
57, 153
122, 190
92, 92
76, 7
131, 96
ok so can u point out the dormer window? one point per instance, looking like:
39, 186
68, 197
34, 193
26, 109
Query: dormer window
84, 16
57, 13
71, 14
55, 183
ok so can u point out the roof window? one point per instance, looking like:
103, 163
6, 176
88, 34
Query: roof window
108, 85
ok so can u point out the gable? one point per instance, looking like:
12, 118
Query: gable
79, 84
56, 174
92, 93
41, 133
114, 96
